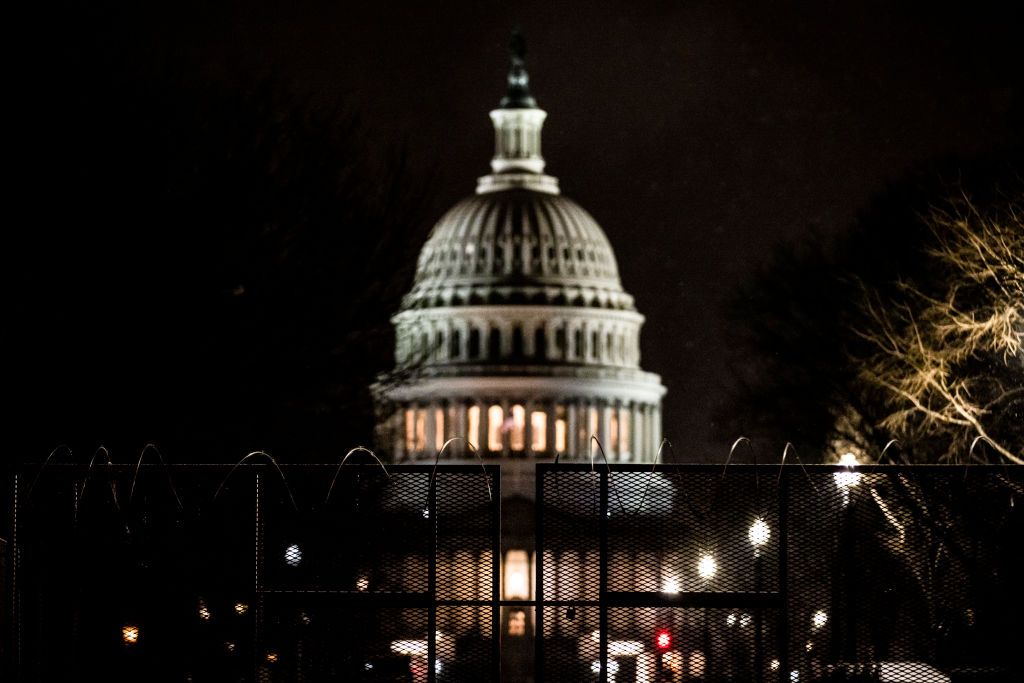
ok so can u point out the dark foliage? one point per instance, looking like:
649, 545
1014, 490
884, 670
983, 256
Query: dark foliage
792, 323
206, 265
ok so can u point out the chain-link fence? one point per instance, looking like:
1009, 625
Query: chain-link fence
748, 573
254, 573
642, 575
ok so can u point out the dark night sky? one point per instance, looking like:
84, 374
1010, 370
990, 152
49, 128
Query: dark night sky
698, 134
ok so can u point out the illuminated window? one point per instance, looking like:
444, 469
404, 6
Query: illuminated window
495, 420
593, 423
439, 431
410, 430
517, 575
613, 430
421, 430
473, 418
539, 425
517, 437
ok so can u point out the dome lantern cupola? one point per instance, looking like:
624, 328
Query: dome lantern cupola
517, 122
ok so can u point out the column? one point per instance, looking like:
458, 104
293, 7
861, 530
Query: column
527, 427
571, 429
480, 438
551, 408
604, 432
634, 431
462, 423
656, 427
505, 433
431, 429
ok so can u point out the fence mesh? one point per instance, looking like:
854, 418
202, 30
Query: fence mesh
796, 574
676, 573
208, 573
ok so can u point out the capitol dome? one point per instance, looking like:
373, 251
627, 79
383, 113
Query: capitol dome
514, 246
517, 334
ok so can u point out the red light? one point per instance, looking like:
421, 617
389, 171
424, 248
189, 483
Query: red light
663, 640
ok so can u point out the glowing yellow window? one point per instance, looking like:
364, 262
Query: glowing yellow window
539, 427
421, 429
517, 437
439, 432
560, 430
495, 421
473, 418
613, 430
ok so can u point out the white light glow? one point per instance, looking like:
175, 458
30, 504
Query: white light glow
848, 479
670, 585
625, 648
293, 555
819, 619
517, 575
130, 634
774, 665
730, 620
759, 533
362, 584
241, 608
707, 566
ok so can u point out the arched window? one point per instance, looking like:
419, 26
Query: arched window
456, 344
517, 343
577, 351
560, 341
494, 344
540, 343
474, 343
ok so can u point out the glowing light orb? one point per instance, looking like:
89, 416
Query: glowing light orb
707, 566
759, 533
130, 634
293, 555
819, 619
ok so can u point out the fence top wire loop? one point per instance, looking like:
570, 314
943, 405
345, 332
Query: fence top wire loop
885, 450
611, 484
750, 448
789, 446
88, 473
135, 477
650, 475
46, 463
357, 449
473, 449
273, 462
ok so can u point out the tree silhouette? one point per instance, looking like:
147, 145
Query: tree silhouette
803, 338
210, 266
